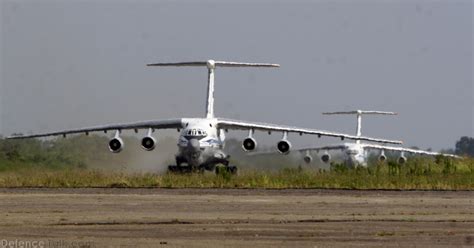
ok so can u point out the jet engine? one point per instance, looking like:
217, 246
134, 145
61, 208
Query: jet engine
307, 158
284, 146
382, 157
402, 159
148, 143
326, 158
249, 144
116, 144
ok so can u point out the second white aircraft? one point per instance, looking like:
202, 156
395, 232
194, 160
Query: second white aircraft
356, 154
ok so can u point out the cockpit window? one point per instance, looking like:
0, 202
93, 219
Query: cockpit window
196, 133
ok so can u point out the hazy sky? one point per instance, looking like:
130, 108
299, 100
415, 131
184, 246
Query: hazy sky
69, 64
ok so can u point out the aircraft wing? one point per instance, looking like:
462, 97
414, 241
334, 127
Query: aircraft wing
245, 125
155, 124
323, 148
408, 150
305, 149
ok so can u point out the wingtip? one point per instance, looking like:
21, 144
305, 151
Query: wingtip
15, 135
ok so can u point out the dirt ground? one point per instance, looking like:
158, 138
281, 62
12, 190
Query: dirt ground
235, 218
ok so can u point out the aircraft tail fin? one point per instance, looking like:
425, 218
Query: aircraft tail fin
211, 66
359, 114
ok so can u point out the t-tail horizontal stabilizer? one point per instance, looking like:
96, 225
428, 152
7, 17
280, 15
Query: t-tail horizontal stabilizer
359, 114
211, 66
213, 63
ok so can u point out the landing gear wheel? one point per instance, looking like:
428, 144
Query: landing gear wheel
173, 168
232, 169
179, 169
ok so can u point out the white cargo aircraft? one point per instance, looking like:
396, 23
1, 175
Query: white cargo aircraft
201, 140
357, 153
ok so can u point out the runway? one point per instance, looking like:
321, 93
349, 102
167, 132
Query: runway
101, 217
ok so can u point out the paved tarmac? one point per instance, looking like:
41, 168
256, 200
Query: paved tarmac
100, 217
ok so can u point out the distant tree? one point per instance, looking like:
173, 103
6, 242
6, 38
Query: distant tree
465, 146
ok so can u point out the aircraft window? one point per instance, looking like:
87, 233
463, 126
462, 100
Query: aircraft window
210, 124
196, 132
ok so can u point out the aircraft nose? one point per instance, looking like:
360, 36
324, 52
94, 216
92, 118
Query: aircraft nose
194, 144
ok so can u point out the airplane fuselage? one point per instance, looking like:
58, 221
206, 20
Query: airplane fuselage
201, 143
355, 155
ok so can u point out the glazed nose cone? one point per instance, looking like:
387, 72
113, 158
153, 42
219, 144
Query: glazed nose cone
194, 144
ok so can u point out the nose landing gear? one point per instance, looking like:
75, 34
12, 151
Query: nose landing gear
219, 166
180, 169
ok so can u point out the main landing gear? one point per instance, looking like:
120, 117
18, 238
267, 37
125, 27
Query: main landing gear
180, 169
189, 169
218, 166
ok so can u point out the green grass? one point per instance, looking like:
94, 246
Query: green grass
419, 173
70, 162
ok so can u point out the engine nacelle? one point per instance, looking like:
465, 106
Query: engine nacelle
326, 158
249, 144
402, 159
382, 157
284, 146
148, 143
116, 145
307, 158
